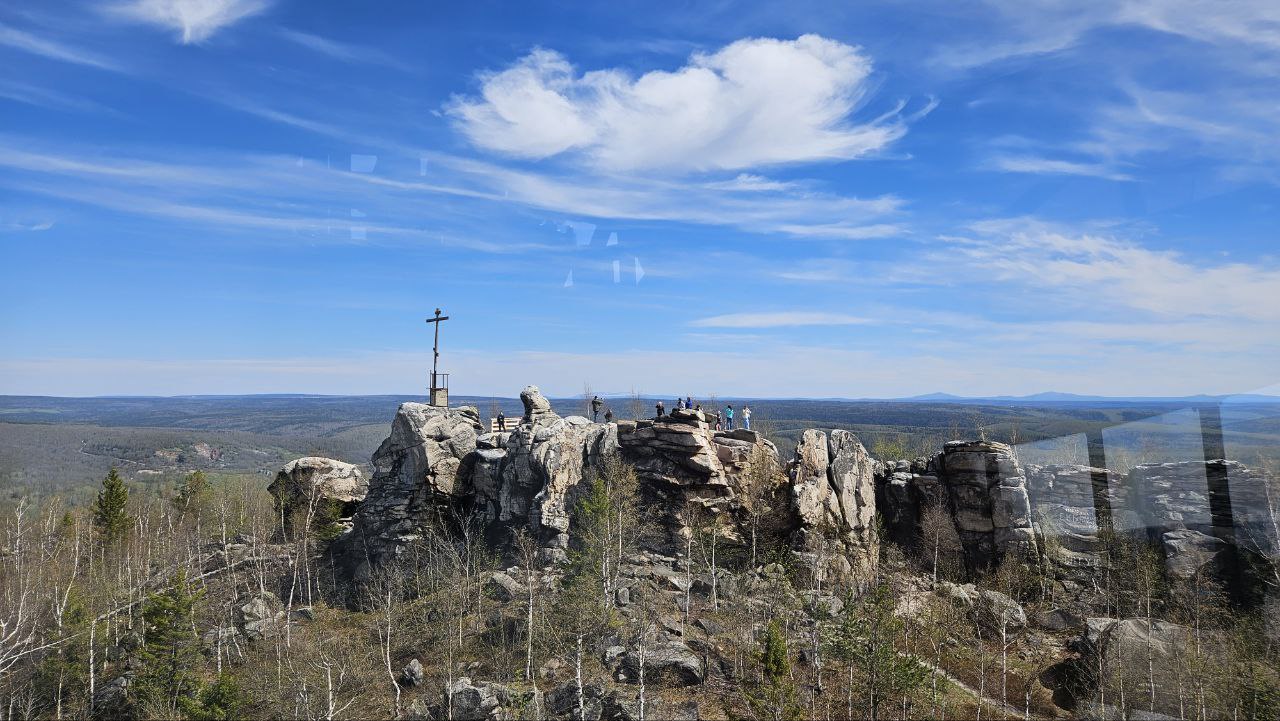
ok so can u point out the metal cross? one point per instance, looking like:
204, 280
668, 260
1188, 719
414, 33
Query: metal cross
435, 347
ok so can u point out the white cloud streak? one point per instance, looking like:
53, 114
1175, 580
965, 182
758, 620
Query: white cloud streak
194, 20
26, 42
345, 52
1115, 274
784, 319
1049, 166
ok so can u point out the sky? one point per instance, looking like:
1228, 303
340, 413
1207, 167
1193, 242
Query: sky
740, 199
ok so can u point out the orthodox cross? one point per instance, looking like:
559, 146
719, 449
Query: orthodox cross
435, 359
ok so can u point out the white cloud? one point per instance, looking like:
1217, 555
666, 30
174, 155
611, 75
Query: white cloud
194, 20
1116, 275
26, 42
783, 319
755, 102
1049, 166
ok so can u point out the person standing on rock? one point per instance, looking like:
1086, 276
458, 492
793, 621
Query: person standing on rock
502, 422
608, 415
728, 417
746, 417
661, 409
595, 408
688, 402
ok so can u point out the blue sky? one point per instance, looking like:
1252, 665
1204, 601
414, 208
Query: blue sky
244, 196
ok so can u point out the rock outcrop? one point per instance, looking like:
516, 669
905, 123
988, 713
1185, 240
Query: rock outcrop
418, 473
982, 486
306, 483
439, 464
1065, 515
833, 492
690, 473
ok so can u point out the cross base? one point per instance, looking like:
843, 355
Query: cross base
440, 397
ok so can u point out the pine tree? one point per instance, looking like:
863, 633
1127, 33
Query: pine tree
865, 637
776, 697
773, 655
109, 515
170, 652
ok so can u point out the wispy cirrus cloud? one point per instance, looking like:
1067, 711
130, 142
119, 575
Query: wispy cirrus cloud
1050, 166
345, 52
46, 98
755, 102
1098, 269
1039, 27
193, 20
26, 42
782, 319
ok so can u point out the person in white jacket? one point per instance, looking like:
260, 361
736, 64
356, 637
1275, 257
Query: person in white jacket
746, 417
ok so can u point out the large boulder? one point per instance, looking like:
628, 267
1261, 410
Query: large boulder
315, 485
671, 662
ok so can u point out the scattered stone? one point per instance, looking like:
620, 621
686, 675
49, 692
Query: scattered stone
412, 674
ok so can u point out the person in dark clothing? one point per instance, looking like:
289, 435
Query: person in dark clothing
608, 415
595, 407
688, 401
661, 409
502, 421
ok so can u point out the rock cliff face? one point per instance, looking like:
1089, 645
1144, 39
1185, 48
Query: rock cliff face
418, 471
983, 487
833, 493
438, 465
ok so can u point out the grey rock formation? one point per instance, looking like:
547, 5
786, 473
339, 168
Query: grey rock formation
305, 482
420, 469
690, 472
670, 661
438, 464
259, 615
980, 483
465, 701
989, 499
541, 475
833, 492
